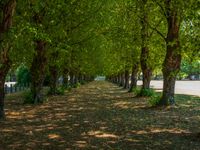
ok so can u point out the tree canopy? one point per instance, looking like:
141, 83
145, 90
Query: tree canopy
84, 38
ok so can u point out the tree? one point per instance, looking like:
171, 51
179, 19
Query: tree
6, 19
174, 13
146, 69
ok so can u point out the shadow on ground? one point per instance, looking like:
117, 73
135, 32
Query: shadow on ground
100, 115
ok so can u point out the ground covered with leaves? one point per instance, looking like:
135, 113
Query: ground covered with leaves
100, 115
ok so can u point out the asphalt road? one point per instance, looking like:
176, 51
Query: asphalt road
182, 87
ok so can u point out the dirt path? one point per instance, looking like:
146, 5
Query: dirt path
97, 116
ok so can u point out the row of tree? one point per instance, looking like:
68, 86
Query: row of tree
152, 36
54, 37
84, 38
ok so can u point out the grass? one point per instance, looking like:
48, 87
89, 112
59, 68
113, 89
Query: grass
100, 115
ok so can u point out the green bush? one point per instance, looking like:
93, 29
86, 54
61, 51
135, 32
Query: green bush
59, 91
28, 97
83, 82
154, 100
136, 90
69, 88
76, 85
147, 92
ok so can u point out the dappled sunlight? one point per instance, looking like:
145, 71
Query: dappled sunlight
160, 130
129, 105
173, 130
101, 134
80, 144
122, 104
99, 116
14, 115
54, 136
8, 130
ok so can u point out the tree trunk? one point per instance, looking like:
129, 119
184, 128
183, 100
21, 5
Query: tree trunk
7, 13
134, 74
3, 72
2, 95
38, 71
53, 82
71, 78
147, 73
119, 79
65, 77
122, 79
126, 75
146, 69
79, 78
171, 65
76, 79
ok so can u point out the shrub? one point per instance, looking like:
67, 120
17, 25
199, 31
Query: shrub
76, 85
147, 92
59, 91
83, 82
136, 90
69, 88
28, 97
154, 100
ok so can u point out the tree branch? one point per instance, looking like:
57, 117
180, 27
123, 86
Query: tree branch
155, 29
86, 19
156, 26
161, 7
81, 41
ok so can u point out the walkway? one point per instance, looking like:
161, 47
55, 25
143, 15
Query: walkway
98, 116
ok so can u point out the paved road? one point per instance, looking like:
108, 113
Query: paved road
182, 87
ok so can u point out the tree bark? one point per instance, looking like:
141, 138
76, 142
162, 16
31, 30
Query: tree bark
54, 77
3, 72
2, 96
134, 75
122, 79
5, 62
126, 75
65, 77
171, 65
38, 71
146, 69
118, 79
79, 77
71, 78
76, 79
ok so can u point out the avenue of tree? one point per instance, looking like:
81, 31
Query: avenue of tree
85, 38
